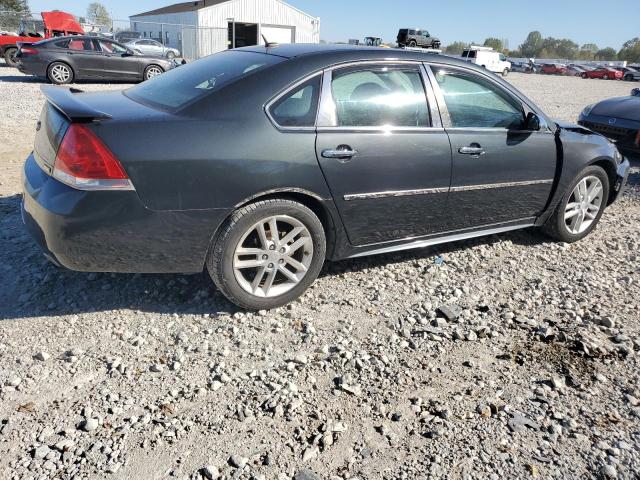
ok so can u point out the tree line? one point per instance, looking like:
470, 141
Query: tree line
12, 11
537, 46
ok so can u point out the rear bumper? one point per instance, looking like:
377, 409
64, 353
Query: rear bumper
112, 231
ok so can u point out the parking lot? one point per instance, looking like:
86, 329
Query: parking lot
532, 372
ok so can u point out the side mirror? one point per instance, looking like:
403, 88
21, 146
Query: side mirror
635, 92
532, 122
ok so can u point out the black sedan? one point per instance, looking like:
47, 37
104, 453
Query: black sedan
617, 119
67, 59
260, 163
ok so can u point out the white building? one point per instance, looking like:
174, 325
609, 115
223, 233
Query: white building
202, 27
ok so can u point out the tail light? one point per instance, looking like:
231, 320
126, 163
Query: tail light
28, 51
85, 163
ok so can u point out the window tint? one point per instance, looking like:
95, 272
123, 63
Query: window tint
299, 107
81, 45
380, 97
180, 86
110, 47
475, 102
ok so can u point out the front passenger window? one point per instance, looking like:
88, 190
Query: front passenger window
474, 102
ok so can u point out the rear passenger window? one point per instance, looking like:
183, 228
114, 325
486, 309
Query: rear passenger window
82, 45
299, 107
381, 97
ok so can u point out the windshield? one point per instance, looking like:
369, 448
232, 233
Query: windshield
187, 83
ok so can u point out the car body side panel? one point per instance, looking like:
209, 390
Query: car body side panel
113, 231
578, 148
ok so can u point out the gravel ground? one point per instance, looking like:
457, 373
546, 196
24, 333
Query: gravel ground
502, 357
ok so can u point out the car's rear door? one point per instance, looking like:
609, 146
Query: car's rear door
84, 57
502, 172
383, 151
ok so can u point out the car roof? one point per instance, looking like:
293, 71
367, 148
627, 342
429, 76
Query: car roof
341, 53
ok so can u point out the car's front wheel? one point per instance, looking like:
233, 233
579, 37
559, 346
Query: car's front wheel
581, 207
505, 72
267, 254
171, 55
60, 73
152, 71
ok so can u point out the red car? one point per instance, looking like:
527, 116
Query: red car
554, 69
604, 72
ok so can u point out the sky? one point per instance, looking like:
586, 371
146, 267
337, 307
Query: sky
607, 24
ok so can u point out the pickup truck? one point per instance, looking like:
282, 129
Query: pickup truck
54, 24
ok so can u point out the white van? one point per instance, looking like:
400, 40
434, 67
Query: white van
488, 58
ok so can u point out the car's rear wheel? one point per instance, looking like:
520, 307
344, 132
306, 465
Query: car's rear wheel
153, 71
60, 73
584, 75
505, 72
267, 254
581, 207
413, 43
10, 56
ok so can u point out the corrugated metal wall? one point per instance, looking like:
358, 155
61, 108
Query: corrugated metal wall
203, 32
268, 12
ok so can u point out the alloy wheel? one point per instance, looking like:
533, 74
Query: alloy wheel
583, 205
153, 71
60, 73
273, 256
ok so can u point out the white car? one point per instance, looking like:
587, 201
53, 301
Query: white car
147, 46
488, 58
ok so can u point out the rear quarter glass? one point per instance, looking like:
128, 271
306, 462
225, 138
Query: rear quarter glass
184, 85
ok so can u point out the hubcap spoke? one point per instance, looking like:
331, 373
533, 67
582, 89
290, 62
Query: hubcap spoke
273, 256
583, 205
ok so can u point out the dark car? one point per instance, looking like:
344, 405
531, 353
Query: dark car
410, 37
67, 59
618, 119
260, 163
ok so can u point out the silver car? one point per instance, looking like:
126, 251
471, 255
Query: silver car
146, 46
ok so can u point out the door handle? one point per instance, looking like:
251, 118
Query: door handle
473, 149
342, 152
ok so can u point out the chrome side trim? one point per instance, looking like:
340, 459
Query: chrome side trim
467, 188
428, 191
394, 193
443, 239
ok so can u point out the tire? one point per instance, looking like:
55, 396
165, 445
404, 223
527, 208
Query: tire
171, 55
60, 73
241, 231
9, 56
584, 75
556, 226
152, 71
413, 43
505, 72
628, 78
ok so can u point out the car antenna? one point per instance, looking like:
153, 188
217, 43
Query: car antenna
267, 43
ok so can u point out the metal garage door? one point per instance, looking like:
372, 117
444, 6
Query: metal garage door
277, 34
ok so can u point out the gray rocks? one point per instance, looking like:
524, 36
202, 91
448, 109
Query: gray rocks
450, 312
90, 424
42, 356
211, 472
238, 461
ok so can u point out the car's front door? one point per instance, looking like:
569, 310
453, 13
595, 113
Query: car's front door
117, 62
383, 151
502, 170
